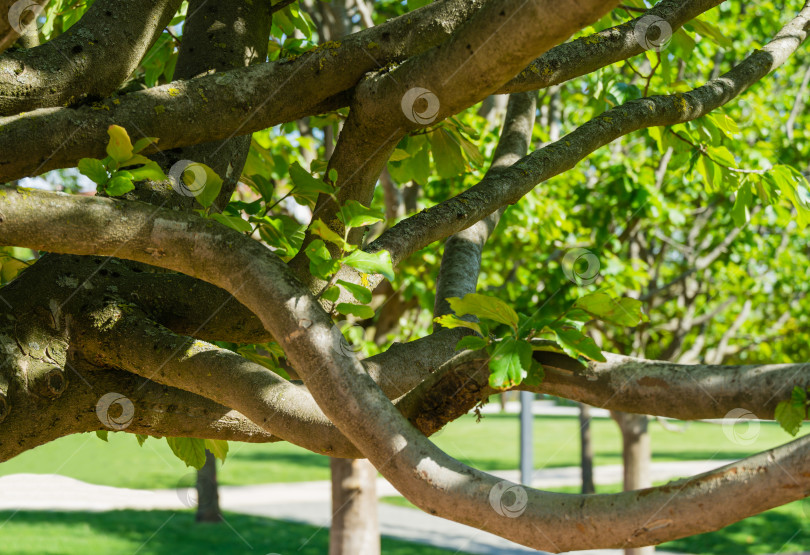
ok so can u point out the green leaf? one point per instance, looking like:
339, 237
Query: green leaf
141, 439
359, 310
234, 222
790, 414
623, 311
332, 294
119, 148
446, 154
322, 230
398, 155
118, 186
741, 211
148, 171
102, 435
93, 169
359, 292
143, 142
189, 450
218, 448
711, 174
321, 263
574, 343
307, 187
709, 31
206, 192
451, 321
470, 150
354, 214
536, 374
472, 342
484, 306
371, 263
510, 361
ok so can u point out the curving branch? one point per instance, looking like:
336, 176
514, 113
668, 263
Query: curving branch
587, 54
219, 106
159, 411
493, 45
89, 61
319, 81
509, 185
181, 242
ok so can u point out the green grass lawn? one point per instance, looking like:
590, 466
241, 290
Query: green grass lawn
491, 444
167, 533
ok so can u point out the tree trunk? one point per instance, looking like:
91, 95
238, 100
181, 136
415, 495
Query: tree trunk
586, 448
636, 455
207, 491
355, 530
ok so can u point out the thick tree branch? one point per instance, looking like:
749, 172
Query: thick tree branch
160, 411
587, 54
181, 242
89, 61
237, 102
457, 213
319, 81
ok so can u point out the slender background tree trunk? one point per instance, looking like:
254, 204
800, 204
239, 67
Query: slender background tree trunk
636, 456
207, 491
355, 529
586, 448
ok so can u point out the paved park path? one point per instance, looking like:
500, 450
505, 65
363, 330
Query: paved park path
309, 502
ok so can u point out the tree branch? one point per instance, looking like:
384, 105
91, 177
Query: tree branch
461, 211
89, 61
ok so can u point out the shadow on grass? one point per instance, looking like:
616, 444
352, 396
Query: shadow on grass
784, 530
166, 533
